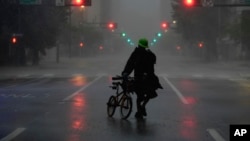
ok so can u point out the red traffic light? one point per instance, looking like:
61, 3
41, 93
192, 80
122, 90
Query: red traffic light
14, 40
81, 44
77, 2
178, 48
191, 3
80, 2
112, 25
101, 48
200, 45
164, 25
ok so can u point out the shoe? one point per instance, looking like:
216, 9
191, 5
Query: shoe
153, 95
138, 115
143, 110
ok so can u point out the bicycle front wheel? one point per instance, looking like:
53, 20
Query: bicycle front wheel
111, 106
126, 107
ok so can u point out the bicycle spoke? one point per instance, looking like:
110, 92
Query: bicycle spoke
111, 106
126, 107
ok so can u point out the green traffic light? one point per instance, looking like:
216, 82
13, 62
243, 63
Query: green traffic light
123, 34
155, 40
128, 40
159, 35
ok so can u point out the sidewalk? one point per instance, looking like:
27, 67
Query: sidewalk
45, 67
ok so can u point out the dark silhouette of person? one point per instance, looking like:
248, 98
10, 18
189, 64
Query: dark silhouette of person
142, 61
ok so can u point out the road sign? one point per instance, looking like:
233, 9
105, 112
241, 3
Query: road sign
30, 2
60, 2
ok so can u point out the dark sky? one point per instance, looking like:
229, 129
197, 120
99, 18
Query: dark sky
139, 18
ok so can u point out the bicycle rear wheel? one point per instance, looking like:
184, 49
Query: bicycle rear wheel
111, 106
126, 107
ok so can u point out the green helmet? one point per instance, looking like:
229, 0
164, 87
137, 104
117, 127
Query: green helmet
143, 42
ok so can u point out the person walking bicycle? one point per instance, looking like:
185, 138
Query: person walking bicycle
142, 61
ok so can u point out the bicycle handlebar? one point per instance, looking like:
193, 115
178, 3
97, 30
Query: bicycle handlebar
125, 82
117, 78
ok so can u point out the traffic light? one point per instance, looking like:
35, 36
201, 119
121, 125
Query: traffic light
81, 44
101, 48
123, 34
159, 34
200, 45
191, 3
14, 40
112, 25
178, 48
128, 40
154, 40
165, 26
80, 3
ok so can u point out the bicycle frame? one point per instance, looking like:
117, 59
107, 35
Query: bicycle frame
120, 95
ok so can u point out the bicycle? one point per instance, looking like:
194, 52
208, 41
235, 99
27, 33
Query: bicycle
122, 98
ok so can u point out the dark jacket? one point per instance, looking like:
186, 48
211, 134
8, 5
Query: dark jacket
142, 63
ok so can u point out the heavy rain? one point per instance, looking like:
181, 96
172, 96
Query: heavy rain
59, 60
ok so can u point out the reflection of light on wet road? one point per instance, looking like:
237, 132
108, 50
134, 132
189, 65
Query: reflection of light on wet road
79, 101
189, 127
191, 100
79, 80
77, 117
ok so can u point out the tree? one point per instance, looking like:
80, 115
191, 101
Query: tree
201, 24
39, 25
41, 28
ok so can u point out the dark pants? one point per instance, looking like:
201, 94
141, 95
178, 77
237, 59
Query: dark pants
143, 97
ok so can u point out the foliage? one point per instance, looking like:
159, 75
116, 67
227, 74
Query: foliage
42, 26
206, 24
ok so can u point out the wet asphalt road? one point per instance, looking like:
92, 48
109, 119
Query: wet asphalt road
73, 107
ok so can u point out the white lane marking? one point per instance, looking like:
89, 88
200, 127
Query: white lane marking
13, 134
216, 136
178, 93
83, 88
